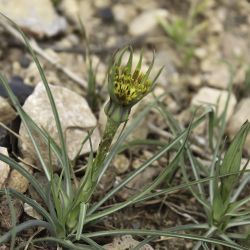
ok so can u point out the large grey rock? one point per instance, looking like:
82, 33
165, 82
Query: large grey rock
38, 17
146, 21
75, 116
7, 113
241, 114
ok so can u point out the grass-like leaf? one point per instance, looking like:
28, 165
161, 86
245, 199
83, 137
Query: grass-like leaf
66, 163
163, 233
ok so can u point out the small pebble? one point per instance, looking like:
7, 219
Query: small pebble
106, 14
121, 163
24, 62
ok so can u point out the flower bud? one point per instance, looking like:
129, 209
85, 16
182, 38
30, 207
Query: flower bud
127, 87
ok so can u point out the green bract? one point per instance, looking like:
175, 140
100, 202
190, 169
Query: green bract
127, 86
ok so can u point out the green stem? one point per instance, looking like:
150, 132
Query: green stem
92, 174
103, 149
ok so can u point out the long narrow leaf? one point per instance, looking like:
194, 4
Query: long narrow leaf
163, 233
156, 156
66, 164
32, 203
24, 226
39, 189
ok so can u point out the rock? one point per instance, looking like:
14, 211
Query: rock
146, 21
6, 216
4, 138
200, 52
29, 210
74, 9
70, 8
145, 5
106, 14
243, 163
4, 168
166, 59
121, 163
194, 80
101, 3
75, 116
7, 113
19, 88
234, 47
17, 181
124, 12
241, 114
218, 76
38, 17
216, 98
125, 242
4, 247
216, 21
30, 74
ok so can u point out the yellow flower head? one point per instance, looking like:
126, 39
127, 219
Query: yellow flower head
127, 87
130, 87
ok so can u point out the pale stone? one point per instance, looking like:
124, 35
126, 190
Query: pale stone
234, 47
121, 163
241, 115
75, 116
86, 12
166, 59
216, 98
7, 113
145, 5
101, 3
124, 13
125, 242
29, 210
70, 8
194, 80
244, 164
200, 52
17, 181
4, 168
38, 17
219, 76
146, 21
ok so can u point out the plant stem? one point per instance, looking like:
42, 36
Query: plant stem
104, 146
93, 171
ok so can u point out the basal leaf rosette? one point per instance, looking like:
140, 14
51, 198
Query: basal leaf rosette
127, 86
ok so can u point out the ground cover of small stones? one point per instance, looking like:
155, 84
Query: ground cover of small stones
201, 79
